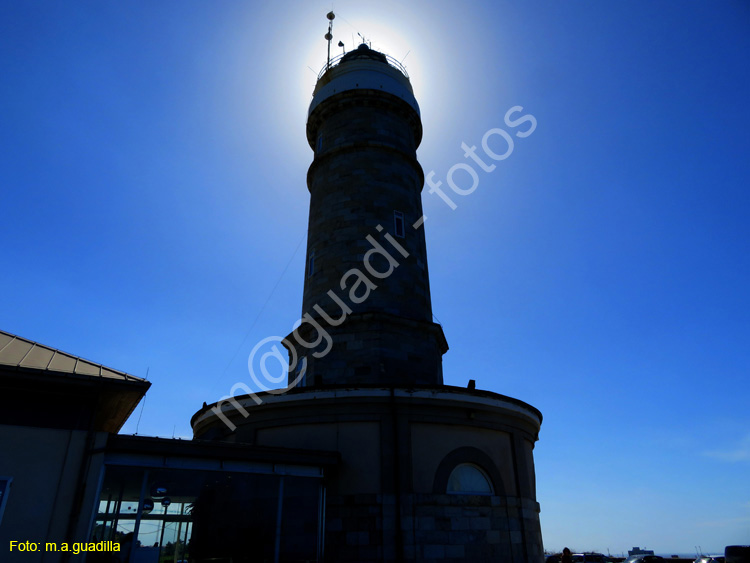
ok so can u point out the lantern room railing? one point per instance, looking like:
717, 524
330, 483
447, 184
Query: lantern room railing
336, 60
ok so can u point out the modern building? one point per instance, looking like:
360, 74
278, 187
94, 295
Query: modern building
68, 480
56, 410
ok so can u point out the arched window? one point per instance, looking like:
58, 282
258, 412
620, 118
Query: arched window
468, 479
468, 471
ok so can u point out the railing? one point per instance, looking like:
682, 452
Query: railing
336, 60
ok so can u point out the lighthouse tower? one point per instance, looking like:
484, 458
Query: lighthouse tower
426, 471
366, 255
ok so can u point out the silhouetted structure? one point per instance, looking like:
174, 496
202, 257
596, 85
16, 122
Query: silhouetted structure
368, 457
428, 471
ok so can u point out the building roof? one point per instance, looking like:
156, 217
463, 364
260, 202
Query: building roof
44, 387
22, 353
164, 448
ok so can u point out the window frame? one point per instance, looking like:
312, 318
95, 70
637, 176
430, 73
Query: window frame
467, 454
399, 220
311, 264
477, 468
297, 369
4, 493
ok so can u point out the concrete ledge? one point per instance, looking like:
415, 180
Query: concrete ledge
436, 394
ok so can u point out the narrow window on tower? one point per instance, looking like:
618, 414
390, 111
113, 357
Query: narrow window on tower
319, 143
311, 264
398, 223
302, 375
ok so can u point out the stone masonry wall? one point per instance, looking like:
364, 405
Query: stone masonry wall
434, 528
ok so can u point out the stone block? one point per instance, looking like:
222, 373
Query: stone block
476, 552
369, 553
443, 523
462, 537
389, 499
360, 511
334, 525
425, 523
434, 551
433, 537
499, 523
460, 523
357, 538
529, 514
479, 523
363, 524
455, 552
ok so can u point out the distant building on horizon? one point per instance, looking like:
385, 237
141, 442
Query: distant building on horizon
638, 551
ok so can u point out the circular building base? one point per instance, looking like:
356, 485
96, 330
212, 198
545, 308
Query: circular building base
426, 473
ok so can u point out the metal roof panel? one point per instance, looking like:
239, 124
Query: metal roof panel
20, 352
4, 339
87, 368
38, 357
14, 352
62, 362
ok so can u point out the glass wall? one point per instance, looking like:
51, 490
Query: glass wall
174, 515
4, 490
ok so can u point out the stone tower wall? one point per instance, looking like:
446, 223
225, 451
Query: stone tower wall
366, 170
367, 290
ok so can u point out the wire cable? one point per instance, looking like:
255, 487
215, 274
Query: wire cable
262, 309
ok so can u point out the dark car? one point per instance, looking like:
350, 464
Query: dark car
590, 558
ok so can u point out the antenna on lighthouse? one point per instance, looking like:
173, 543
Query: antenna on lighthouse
329, 36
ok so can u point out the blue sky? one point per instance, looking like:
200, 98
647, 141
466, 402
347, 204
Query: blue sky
153, 192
